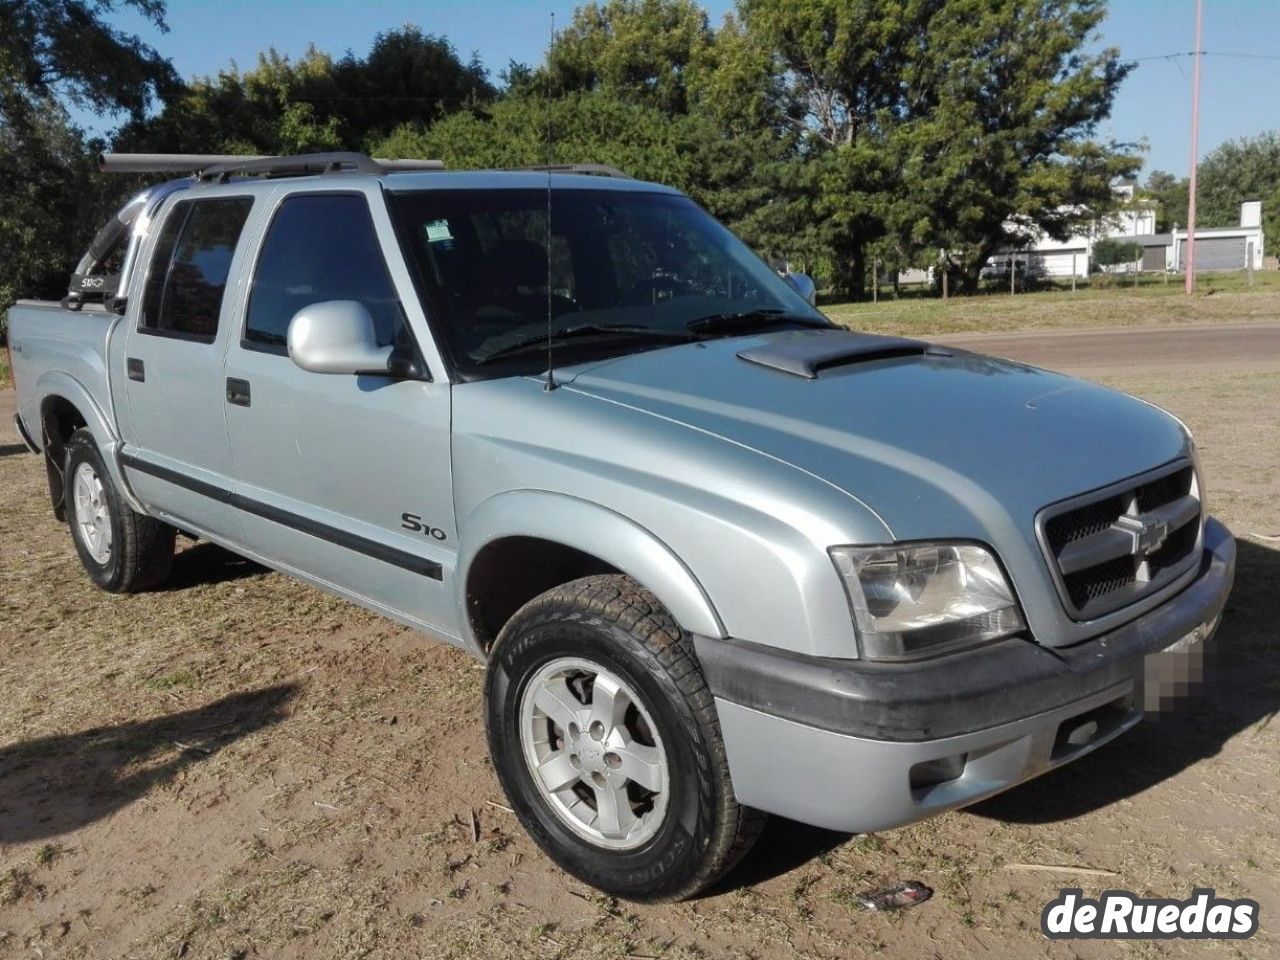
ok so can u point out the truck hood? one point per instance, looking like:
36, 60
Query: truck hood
943, 443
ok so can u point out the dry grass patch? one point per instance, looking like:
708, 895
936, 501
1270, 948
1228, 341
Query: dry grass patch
1221, 299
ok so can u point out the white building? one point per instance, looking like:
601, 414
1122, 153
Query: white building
1220, 248
1217, 248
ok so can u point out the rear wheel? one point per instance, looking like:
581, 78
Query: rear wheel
606, 740
121, 550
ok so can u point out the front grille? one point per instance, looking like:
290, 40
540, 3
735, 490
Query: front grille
1115, 546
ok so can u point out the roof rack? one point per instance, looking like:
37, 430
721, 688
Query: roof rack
218, 168
590, 169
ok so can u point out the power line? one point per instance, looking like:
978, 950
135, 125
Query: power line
1206, 53
1243, 56
1162, 56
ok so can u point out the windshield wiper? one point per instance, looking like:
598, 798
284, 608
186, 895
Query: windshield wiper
529, 344
750, 320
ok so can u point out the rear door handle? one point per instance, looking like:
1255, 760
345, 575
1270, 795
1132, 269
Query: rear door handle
238, 392
135, 369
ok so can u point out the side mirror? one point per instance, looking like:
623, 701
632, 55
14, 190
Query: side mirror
337, 336
803, 284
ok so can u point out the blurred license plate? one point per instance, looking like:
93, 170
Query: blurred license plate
1171, 673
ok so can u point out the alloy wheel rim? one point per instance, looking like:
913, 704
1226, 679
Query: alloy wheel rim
93, 517
594, 753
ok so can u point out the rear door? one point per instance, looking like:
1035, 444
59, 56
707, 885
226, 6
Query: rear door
345, 478
177, 458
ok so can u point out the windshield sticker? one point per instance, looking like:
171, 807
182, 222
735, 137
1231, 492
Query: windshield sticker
438, 230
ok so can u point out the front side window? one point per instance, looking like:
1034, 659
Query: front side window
613, 270
189, 268
320, 247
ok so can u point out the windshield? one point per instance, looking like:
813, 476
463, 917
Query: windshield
629, 270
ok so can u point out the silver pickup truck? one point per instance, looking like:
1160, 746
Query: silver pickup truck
721, 557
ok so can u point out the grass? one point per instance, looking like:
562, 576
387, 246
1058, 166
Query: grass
48, 853
1219, 298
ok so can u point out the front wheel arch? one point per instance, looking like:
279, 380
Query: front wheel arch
585, 539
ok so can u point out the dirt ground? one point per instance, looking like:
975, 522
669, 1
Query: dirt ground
240, 766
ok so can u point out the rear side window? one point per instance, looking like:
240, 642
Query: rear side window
320, 247
189, 268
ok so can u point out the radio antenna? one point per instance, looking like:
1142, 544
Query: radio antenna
551, 373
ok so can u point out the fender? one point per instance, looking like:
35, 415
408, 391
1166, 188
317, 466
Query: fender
593, 529
56, 383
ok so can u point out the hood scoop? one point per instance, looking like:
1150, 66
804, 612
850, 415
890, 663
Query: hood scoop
808, 354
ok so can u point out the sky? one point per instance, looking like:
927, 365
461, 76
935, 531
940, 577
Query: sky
1238, 93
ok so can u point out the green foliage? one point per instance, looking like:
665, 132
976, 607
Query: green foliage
647, 86
51, 202
655, 52
586, 127
1239, 170
1113, 251
1172, 194
687, 151
65, 47
315, 103
828, 132
934, 122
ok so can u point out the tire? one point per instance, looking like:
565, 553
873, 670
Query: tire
606, 641
122, 551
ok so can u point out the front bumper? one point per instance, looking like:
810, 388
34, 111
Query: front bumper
857, 746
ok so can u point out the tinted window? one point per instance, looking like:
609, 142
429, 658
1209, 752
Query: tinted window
320, 247
190, 266
491, 265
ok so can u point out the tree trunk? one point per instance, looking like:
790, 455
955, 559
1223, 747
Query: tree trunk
973, 267
851, 267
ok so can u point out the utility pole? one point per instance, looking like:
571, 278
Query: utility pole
1195, 151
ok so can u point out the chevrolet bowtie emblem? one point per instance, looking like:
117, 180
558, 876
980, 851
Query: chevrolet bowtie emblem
1148, 535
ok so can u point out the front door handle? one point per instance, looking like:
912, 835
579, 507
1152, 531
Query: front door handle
136, 369
238, 392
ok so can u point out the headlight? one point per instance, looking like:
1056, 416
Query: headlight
918, 599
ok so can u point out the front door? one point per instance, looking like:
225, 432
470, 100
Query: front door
345, 478
176, 454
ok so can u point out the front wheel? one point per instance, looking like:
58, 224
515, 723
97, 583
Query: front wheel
605, 737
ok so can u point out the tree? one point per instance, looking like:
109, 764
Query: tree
650, 51
1111, 251
267, 109
408, 76
588, 127
314, 103
1171, 194
934, 123
1239, 170
680, 101
53, 50
50, 202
